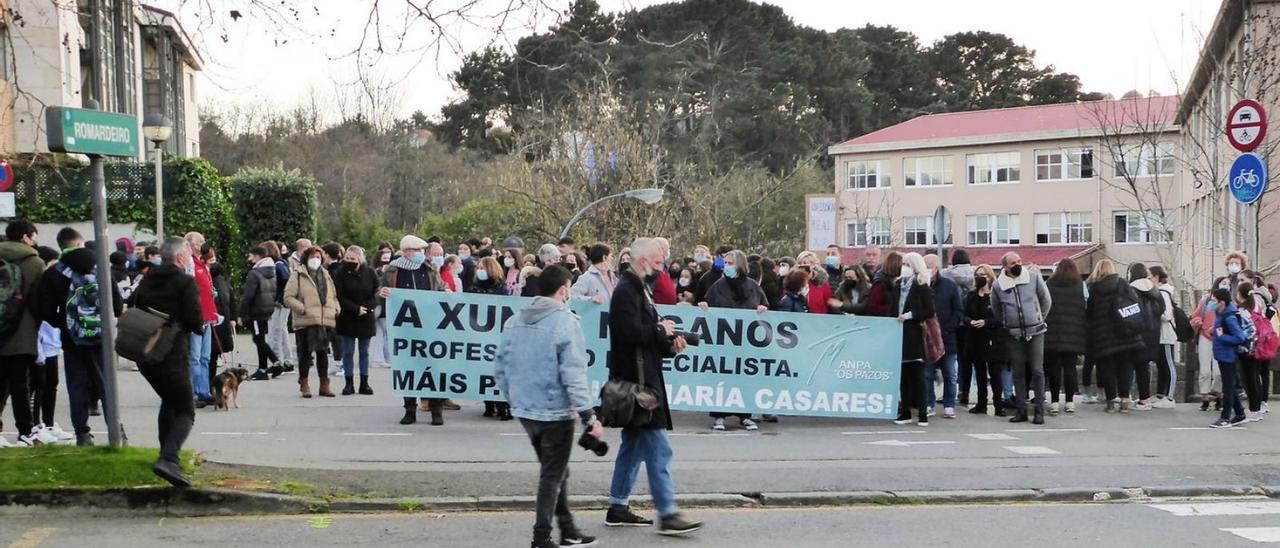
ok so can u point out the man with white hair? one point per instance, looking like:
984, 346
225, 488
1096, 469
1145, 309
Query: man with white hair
639, 340
202, 345
1020, 302
417, 268
548, 255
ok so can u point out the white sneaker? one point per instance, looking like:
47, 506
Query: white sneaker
28, 441
1071, 407
44, 436
1265, 408
1139, 406
718, 425
749, 424
5, 443
1253, 416
949, 413
932, 412
1163, 403
1053, 408
60, 433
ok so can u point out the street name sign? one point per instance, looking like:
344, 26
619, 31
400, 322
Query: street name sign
86, 131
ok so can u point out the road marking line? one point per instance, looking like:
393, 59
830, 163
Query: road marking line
1206, 428
992, 437
711, 435
1024, 430
900, 443
234, 433
32, 538
1031, 450
882, 432
394, 434
1244, 508
1257, 534
511, 434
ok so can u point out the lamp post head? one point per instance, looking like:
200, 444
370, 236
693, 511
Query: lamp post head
647, 195
157, 128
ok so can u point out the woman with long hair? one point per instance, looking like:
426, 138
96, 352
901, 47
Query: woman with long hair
357, 288
1109, 344
1065, 340
735, 290
984, 349
912, 303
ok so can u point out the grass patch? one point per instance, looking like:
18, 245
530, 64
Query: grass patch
52, 467
410, 506
899, 501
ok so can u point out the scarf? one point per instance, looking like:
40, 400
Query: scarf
737, 287
405, 264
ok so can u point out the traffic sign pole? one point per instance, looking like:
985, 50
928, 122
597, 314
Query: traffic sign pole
105, 306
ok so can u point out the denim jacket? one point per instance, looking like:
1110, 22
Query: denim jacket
541, 364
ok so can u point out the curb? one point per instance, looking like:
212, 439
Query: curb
157, 501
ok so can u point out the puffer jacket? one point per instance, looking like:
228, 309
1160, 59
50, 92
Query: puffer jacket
1021, 303
962, 274
1066, 321
793, 302
1231, 336
1105, 333
23, 340
303, 299
356, 286
541, 363
258, 299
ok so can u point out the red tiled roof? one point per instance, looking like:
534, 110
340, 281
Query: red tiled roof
1065, 117
1044, 256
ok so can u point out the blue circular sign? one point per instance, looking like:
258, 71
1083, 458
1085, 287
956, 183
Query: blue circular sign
1247, 178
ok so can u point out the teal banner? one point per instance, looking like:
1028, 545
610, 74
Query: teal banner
443, 345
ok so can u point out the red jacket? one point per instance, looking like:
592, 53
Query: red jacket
664, 291
204, 283
819, 296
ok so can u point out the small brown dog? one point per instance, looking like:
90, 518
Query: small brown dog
228, 384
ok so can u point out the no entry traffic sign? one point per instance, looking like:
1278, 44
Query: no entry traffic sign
1246, 125
6, 175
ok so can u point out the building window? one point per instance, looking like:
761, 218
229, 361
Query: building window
930, 171
4, 52
1065, 163
1134, 227
918, 230
1000, 167
993, 230
868, 232
1064, 228
1144, 161
866, 174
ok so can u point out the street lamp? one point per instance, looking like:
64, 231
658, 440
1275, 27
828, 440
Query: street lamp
157, 128
647, 195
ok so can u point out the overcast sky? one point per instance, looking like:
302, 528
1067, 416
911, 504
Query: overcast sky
1113, 45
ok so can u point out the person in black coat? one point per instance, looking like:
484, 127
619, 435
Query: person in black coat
983, 344
168, 290
488, 279
1110, 344
911, 301
224, 339
1065, 340
638, 341
949, 307
357, 287
257, 304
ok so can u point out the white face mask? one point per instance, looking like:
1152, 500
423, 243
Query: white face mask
509, 262
907, 272
1233, 268
784, 270
313, 264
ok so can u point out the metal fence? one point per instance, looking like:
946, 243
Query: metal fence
70, 185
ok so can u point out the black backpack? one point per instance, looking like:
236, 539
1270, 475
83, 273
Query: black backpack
1152, 312
12, 300
1181, 322
1129, 310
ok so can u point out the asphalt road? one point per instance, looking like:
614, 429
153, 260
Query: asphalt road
356, 444
1218, 524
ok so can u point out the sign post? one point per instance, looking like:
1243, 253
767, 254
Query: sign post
97, 134
1247, 180
941, 230
1246, 125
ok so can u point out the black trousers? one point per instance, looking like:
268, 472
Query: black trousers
172, 382
13, 374
84, 383
1252, 370
44, 391
266, 355
911, 391
1061, 367
1142, 370
306, 358
1165, 372
553, 443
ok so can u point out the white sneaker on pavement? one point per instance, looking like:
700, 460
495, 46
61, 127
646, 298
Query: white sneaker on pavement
718, 425
1139, 406
1265, 408
1163, 403
949, 413
1053, 408
749, 424
28, 441
43, 435
932, 412
60, 433
1253, 416
1071, 407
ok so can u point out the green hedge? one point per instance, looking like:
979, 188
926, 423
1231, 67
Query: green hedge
274, 204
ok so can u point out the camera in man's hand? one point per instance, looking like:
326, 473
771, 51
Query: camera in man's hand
690, 339
590, 443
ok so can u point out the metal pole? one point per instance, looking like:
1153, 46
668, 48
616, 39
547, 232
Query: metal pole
159, 196
578, 217
99, 183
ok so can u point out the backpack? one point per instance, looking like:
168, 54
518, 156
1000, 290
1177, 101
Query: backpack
12, 301
1129, 310
1267, 340
1181, 322
1153, 312
1250, 332
84, 319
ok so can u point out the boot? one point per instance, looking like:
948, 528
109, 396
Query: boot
1000, 412
349, 388
504, 412
437, 412
410, 414
488, 409
304, 386
324, 387
1020, 416
364, 386
1039, 416
980, 409
450, 405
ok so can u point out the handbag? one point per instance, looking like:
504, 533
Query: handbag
934, 346
624, 403
145, 336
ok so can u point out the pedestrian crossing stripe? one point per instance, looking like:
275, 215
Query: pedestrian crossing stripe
1256, 534
1236, 508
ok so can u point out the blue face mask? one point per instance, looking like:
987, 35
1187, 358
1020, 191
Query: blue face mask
156, 261
1212, 306
437, 262
730, 271
464, 256
418, 259
833, 261
699, 257
719, 262
482, 275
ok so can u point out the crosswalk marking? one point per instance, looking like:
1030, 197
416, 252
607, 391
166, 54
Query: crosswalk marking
1031, 450
992, 437
1237, 508
32, 538
1027, 430
882, 432
1257, 534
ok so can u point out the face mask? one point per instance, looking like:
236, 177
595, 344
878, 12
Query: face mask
1225, 286
624, 265
1212, 306
156, 261
418, 259
313, 264
684, 282
699, 257
833, 261
482, 275
463, 255
509, 262
784, 270
804, 292
353, 264
437, 261
1015, 270
718, 263
730, 271
908, 272
1233, 268
980, 282
386, 257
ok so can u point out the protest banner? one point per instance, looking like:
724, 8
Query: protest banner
443, 345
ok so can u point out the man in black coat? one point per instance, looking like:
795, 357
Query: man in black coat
167, 289
950, 309
257, 304
636, 333
710, 277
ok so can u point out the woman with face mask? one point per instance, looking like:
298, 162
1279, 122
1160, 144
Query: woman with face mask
380, 350
684, 286
357, 289
984, 350
1236, 262
489, 279
735, 289
596, 284
1109, 344
1203, 320
1065, 342
796, 293
313, 299
510, 263
854, 291
912, 303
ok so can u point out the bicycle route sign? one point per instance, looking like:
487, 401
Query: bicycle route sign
1248, 178
1246, 125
